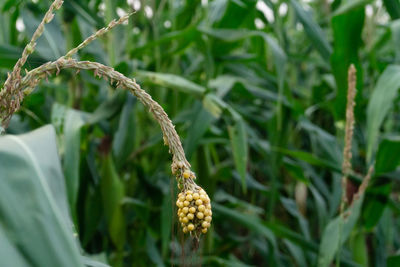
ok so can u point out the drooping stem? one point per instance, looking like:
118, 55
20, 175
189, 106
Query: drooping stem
171, 138
16, 87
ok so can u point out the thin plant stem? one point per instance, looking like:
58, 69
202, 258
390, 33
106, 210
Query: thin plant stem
97, 34
10, 97
349, 130
365, 182
346, 166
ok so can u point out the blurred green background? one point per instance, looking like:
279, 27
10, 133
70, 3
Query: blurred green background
257, 91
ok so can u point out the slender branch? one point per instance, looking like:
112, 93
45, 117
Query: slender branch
365, 182
10, 97
99, 33
170, 135
30, 47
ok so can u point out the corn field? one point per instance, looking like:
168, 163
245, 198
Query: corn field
199, 133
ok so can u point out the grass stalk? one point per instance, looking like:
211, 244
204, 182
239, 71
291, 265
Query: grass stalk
349, 130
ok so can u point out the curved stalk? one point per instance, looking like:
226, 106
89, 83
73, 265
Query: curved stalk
16, 87
171, 138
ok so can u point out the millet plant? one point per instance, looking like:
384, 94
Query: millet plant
193, 202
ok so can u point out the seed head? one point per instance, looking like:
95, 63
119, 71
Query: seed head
186, 174
190, 227
194, 211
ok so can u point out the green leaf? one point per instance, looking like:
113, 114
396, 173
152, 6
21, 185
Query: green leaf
386, 157
230, 35
201, 121
313, 30
358, 245
35, 224
238, 137
296, 252
284, 232
214, 105
393, 261
225, 83
347, 29
292, 207
310, 158
232, 261
393, 8
380, 103
172, 81
295, 170
337, 232
395, 30
112, 191
51, 45
8, 4
108, 108
124, 139
320, 206
93, 263
325, 145
72, 131
152, 251
377, 199
83, 11
184, 37
348, 6
9, 55
251, 222
268, 230
10, 256
167, 221
73, 123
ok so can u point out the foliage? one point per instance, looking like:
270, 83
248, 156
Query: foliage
260, 111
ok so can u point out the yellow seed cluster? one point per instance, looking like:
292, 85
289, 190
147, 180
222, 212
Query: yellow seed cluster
194, 211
